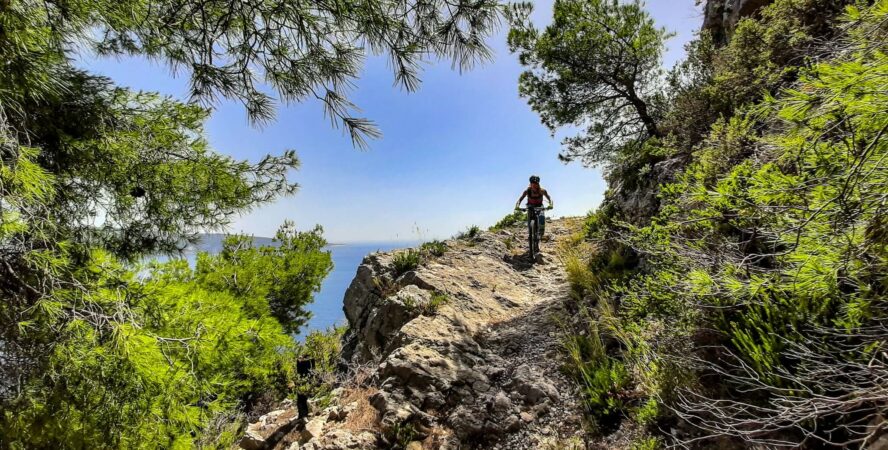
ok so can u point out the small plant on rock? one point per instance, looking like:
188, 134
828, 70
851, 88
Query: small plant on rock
400, 435
385, 287
406, 261
602, 378
438, 300
471, 233
433, 248
509, 220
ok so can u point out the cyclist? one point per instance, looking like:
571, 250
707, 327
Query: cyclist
535, 194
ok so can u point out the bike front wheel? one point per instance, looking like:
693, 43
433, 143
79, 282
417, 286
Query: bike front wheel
531, 238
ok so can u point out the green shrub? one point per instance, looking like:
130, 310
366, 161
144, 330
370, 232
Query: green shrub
646, 443
400, 435
385, 287
438, 300
406, 260
323, 348
581, 279
471, 233
602, 378
191, 347
433, 248
648, 412
509, 220
597, 221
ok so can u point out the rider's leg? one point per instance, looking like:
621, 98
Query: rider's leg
542, 219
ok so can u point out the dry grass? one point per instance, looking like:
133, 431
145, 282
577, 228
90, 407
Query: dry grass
437, 437
562, 444
364, 417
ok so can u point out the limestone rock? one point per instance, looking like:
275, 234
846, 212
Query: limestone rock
532, 386
267, 425
313, 428
720, 17
475, 369
252, 439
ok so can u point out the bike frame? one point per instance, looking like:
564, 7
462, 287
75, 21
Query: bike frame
533, 229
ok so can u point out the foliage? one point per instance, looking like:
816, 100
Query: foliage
385, 286
302, 51
596, 67
190, 346
399, 435
646, 443
509, 220
406, 260
438, 300
581, 279
323, 349
470, 233
601, 377
99, 354
749, 306
434, 248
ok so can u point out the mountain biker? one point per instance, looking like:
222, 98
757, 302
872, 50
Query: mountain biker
535, 194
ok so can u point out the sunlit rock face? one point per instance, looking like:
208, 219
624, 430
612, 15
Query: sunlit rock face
720, 17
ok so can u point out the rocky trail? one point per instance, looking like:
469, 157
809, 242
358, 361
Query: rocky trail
461, 352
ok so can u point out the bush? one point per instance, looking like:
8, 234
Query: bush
510, 219
471, 233
433, 248
406, 260
437, 301
582, 281
196, 346
597, 221
602, 378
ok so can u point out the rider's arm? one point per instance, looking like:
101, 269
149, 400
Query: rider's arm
546, 194
518, 203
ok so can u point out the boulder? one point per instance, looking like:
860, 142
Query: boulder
531, 386
313, 428
252, 439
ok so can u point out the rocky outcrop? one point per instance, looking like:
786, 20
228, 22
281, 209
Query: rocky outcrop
720, 17
461, 352
464, 350
482, 367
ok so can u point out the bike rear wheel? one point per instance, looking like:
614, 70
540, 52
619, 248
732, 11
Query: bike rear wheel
531, 237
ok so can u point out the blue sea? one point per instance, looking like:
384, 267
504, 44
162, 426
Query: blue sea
327, 306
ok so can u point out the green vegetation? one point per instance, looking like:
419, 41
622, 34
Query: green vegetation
510, 219
438, 300
763, 258
406, 260
323, 349
603, 378
192, 345
433, 248
97, 353
399, 435
605, 52
470, 234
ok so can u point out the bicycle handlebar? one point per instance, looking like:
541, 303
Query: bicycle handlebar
534, 207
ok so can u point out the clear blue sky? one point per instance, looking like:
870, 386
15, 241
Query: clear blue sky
457, 152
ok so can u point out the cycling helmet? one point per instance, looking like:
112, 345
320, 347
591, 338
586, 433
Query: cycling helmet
534, 179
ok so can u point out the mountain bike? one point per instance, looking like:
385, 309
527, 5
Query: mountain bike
533, 229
